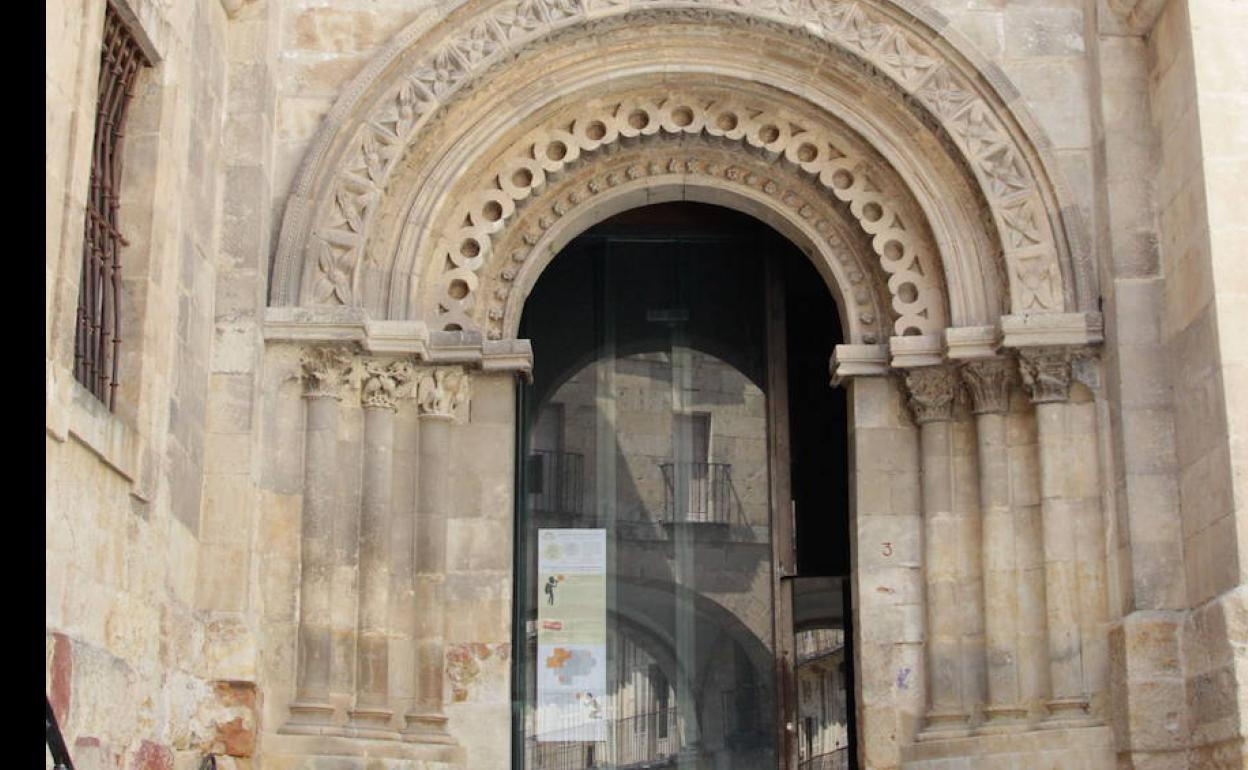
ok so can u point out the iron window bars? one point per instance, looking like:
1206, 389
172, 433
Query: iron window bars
97, 340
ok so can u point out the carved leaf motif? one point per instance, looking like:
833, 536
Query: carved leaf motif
863, 32
898, 54
976, 128
478, 45
1005, 171
834, 15
335, 280
943, 94
352, 206
562, 9
1022, 227
1035, 278
442, 73
374, 161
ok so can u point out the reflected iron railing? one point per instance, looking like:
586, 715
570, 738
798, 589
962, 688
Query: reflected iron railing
647, 741
557, 482
700, 492
55, 741
832, 760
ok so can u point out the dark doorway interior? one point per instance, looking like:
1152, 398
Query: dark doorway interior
619, 305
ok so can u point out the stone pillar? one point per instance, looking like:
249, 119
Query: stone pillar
932, 391
1046, 374
438, 393
324, 370
379, 396
988, 382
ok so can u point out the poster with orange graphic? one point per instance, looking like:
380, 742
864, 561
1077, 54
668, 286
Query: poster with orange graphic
572, 635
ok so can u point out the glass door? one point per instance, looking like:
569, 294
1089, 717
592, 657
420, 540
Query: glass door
646, 594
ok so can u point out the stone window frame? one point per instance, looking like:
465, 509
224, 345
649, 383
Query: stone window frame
98, 332
116, 435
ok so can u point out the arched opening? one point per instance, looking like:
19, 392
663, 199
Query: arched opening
682, 502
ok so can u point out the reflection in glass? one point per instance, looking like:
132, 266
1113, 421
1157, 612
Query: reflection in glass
651, 428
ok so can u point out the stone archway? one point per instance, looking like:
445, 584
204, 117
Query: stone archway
468, 152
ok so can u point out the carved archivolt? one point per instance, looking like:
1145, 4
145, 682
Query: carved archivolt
906, 258
585, 195
347, 170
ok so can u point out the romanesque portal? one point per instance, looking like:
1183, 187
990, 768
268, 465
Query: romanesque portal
470, 153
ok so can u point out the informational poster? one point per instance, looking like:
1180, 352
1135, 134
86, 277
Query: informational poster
572, 635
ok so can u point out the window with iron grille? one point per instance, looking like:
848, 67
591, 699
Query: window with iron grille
97, 339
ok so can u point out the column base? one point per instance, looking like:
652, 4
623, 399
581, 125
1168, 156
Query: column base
945, 724
371, 722
1067, 712
1003, 719
311, 718
426, 728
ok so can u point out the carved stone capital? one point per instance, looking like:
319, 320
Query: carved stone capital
325, 370
933, 390
382, 383
988, 381
439, 391
1046, 373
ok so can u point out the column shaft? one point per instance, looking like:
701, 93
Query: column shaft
931, 401
439, 392
1047, 374
372, 711
989, 383
312, 711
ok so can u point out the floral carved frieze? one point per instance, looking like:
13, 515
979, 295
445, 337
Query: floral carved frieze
328, 371
906, 258
330, 228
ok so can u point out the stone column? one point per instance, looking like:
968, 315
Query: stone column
988, 382
324, 370
379, 396
438, 393
932, 391
1046, 374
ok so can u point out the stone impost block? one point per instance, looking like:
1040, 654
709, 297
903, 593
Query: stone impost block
964, 343
917, 350
1030, 330
858, 361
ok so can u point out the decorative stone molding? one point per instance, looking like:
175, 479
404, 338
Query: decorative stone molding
932, 390
325, 370
908, 261
858, 361
1046, 373
521, 251
383, 383
440, 391
988, 381
350, 327
347, 170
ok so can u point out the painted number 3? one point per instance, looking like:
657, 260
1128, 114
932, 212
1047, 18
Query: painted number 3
887, 550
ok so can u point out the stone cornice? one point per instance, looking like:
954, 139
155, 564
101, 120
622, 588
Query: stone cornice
1078, 333
352, 326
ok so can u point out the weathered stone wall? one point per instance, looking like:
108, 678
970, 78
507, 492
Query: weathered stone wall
1199, 77
173, 524
142, 673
